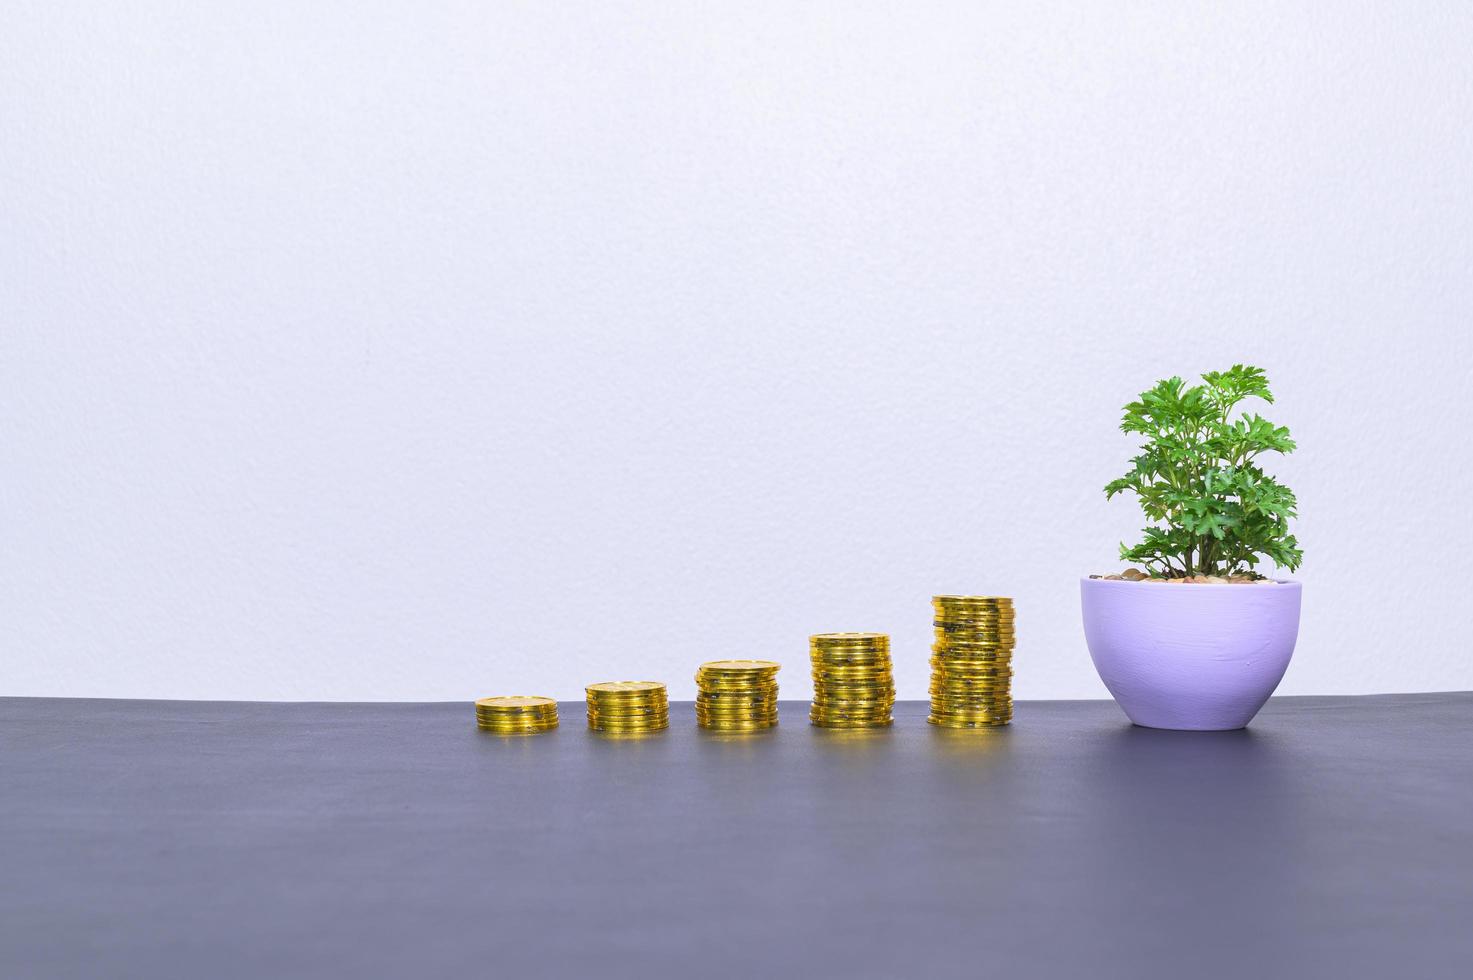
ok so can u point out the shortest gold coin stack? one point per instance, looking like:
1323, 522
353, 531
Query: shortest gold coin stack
628, 707
736, 695
853, 686
519, 715
972, 661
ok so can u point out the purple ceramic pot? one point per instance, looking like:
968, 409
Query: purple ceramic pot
1198, 657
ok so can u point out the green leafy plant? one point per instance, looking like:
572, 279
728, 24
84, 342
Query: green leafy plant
1197, 477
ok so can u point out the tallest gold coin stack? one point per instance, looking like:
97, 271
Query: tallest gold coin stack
972, 661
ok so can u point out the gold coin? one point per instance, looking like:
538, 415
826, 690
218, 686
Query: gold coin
736, 705
953, 627
626, 705
959, 624
735, 680
766, 691
956, 723
973, 639
973, 622
970, 693
626, 696
999, 666
643, 722
660, 727
630, 713
755, 716
851, 668
740, 667
624, 688
735, 700
516, 702
973, 650
946, 655
973, 608
971, 713
988, 700
821, 655
499, 724
943, 675
629, 734
769, 691
972, 601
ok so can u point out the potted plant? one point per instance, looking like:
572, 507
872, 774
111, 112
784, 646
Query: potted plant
1199, 639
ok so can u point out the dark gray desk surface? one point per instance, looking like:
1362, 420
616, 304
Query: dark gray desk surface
1334, 838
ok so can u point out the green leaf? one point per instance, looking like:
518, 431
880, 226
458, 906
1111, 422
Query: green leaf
1197, 476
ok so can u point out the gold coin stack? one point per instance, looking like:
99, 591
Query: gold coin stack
972, 661
736, 695
628, 707
519, 715
852, 683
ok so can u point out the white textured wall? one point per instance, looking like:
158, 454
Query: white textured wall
429, 350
